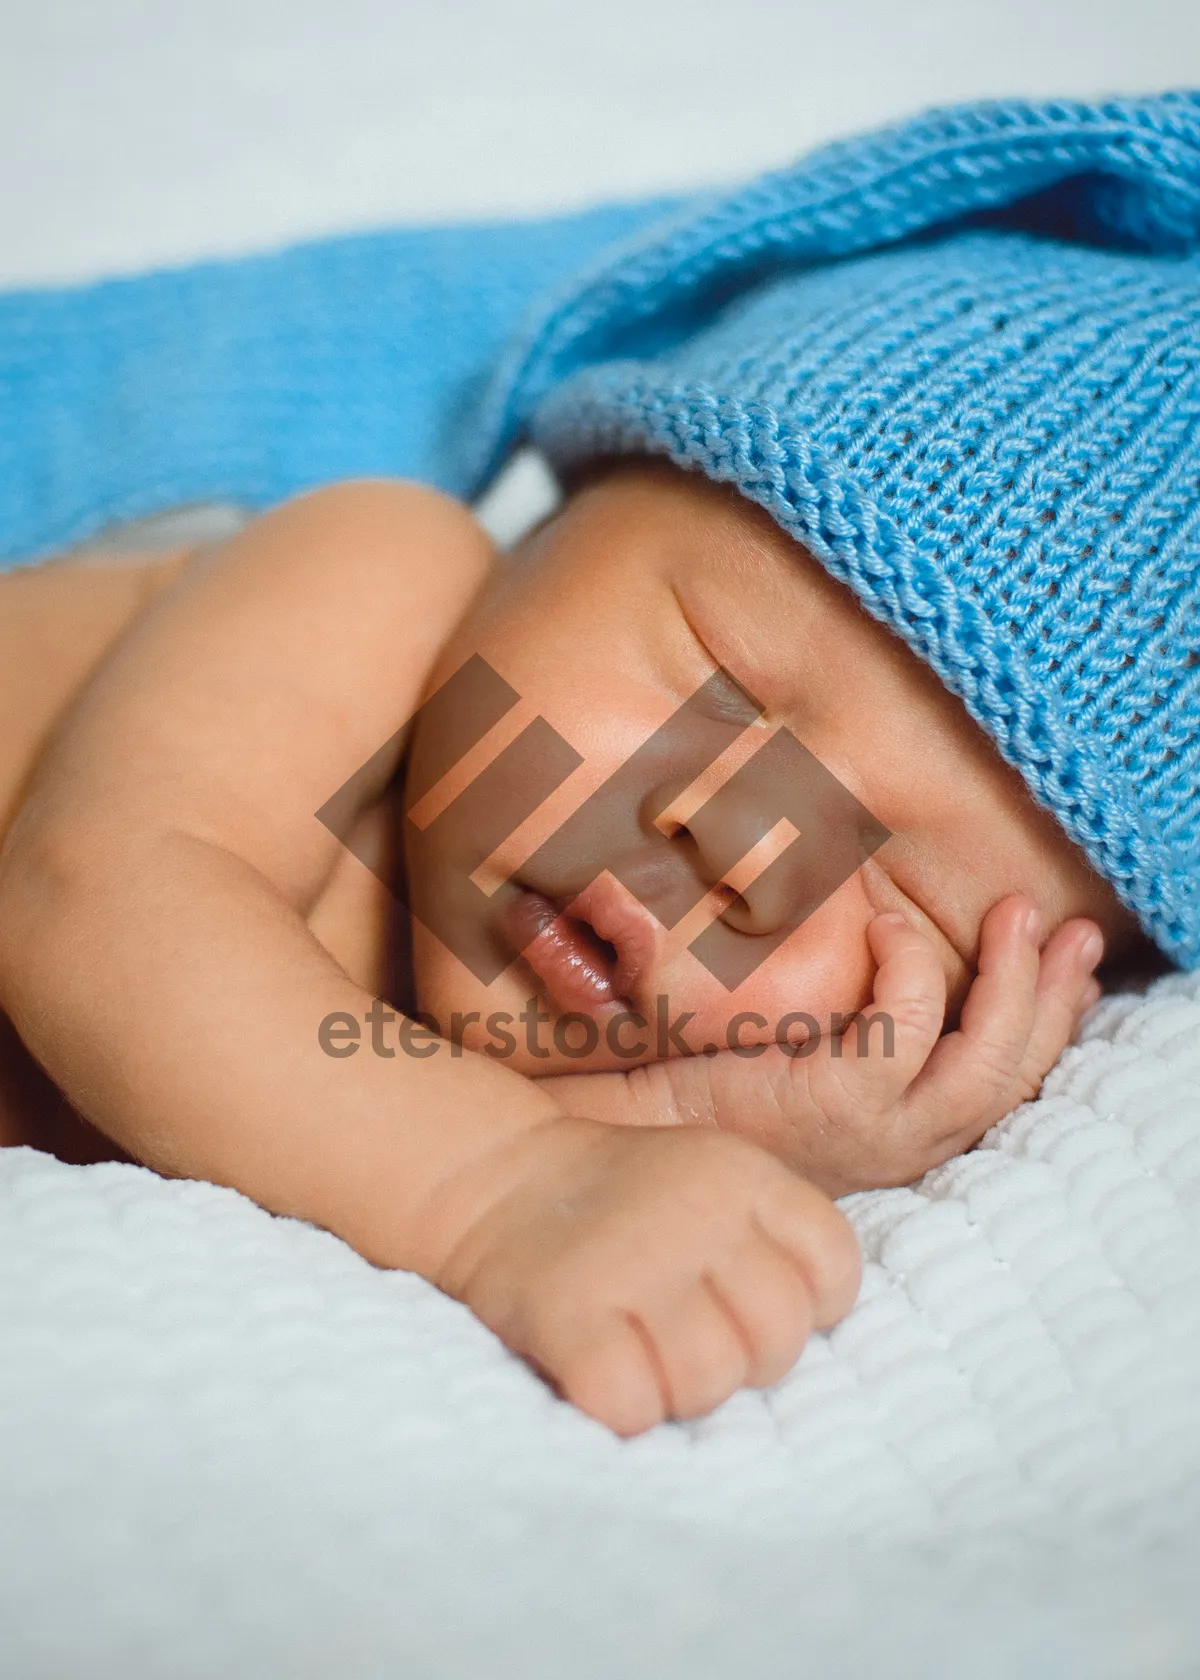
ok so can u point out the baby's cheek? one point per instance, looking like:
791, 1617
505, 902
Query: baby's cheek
823, 969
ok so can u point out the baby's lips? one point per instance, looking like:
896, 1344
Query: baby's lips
563, 952
623, 922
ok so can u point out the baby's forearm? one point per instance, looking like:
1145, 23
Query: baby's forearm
176, 998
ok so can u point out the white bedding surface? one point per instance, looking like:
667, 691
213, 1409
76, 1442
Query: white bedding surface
231, 1447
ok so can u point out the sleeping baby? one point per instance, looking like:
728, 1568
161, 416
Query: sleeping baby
571, 925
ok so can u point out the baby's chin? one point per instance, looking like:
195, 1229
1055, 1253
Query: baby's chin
804, 989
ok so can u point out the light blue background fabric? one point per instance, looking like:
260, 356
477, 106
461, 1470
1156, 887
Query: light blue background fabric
249, 380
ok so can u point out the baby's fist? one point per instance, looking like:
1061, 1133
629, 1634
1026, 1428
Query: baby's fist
651, 1273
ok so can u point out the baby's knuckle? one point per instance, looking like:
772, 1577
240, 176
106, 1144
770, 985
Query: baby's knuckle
917, 1015
823, 1252
921, 1124
776, 1354
1027, 1084
996, 1061
903, 1161
909, 1144
778, 1325
588, 1370
610, 1378
707, 1379
839, 1271
792, 1201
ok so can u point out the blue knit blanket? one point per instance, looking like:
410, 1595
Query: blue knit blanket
248, 381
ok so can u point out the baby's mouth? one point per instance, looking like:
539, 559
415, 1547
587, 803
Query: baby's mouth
588, 952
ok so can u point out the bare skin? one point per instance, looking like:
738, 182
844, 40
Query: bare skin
174, 923
58, 621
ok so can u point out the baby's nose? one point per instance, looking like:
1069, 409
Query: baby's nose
781, 834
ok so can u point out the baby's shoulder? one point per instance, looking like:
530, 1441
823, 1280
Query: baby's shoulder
58, 622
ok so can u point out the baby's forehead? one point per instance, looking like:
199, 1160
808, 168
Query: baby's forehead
646, 543
665, 513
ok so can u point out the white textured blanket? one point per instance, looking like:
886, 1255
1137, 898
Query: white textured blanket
228, 1447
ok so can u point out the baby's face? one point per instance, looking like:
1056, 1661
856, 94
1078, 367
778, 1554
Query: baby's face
641, 592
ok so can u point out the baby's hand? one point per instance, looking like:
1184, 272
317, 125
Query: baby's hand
850, 1115
647, 1273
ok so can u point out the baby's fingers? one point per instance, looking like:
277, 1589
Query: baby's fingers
972, 1072
1065, 988
909, 999
681, 1355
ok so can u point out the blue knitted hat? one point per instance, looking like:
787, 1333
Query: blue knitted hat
960, 362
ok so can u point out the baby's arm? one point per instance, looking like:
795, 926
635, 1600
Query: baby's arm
157, 881
156, 958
